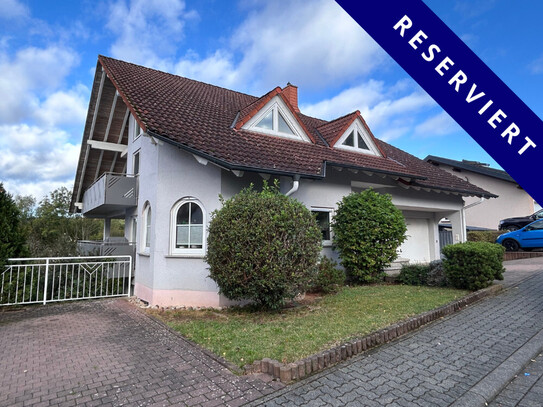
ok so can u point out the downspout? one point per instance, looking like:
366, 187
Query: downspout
295, 185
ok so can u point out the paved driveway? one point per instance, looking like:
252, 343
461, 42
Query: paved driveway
107, 353
440, 364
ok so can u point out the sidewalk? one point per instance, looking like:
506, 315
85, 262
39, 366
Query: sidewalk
464, 360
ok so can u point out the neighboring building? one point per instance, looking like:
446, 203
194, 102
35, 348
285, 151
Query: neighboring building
176, 144
512, 200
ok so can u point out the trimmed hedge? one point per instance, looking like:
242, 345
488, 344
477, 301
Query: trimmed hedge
414, 274
262, 246
430, 274
489, 236
473, 265
368, 229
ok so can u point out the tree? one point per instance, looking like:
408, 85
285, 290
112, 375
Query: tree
12, 236
262, 246
54, 231
368, 229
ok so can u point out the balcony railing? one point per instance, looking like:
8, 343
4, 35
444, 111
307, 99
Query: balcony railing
109, 247
110, 194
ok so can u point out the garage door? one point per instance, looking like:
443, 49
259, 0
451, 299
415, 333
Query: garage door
417, 246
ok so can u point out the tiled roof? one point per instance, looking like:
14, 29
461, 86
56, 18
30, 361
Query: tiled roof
198, 117
479, 168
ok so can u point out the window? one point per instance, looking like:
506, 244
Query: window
355, 140
275, 121
136, 163
323, 220
136, 129
188, 219
146, 228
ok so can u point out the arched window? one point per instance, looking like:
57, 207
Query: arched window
146, 230
187, 234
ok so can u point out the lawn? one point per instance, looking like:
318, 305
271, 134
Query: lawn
312, 325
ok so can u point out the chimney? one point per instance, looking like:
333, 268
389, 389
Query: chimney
291, 93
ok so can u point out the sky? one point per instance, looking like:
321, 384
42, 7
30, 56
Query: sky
49, 50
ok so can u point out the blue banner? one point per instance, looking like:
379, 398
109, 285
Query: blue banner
459, 81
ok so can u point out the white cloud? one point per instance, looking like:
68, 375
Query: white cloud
64, 107
389, 109
439, 125
216, 69
148, 31
356, 98
11, 9
30, 155
312, 43
31, 74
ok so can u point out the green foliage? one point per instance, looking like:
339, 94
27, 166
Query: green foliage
262, 246
52, 230
473, 265
489, 236
430, 274
436, 275
12, 234
26, 284
368, 229
328, 278
414, 274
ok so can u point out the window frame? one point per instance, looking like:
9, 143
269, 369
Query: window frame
146, 230
186, 252
136, 129
277, 105
136, 158
358, 131
330, 211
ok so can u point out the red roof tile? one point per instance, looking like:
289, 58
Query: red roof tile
198, 117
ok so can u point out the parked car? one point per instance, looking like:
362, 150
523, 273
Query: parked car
528, 238
517, 223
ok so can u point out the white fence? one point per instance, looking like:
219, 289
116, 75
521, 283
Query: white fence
43, 280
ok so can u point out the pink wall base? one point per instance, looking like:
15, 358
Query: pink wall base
178, 298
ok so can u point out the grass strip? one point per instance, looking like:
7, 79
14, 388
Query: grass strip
242, 335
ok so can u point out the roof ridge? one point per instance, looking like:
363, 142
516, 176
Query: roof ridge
101, 57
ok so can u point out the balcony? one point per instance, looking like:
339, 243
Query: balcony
112, 246
110, 195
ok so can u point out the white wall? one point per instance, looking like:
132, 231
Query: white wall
511, 202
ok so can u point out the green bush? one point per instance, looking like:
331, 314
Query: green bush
12, 236
368, 229
473, 265
328, 278
489, 236
414, 274
436, 275
262, 246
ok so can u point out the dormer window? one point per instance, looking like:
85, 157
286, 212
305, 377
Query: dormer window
275, 121
355, 140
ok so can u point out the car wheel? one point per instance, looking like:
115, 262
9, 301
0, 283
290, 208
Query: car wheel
512, 228
511, 245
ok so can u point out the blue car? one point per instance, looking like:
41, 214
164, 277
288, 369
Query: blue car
528, 238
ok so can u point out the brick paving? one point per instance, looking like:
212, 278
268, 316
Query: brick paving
107, 353
526, 390
436, 365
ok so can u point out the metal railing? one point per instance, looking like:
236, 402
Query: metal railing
43, 280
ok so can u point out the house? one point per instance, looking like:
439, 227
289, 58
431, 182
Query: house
158, 149
512, 200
